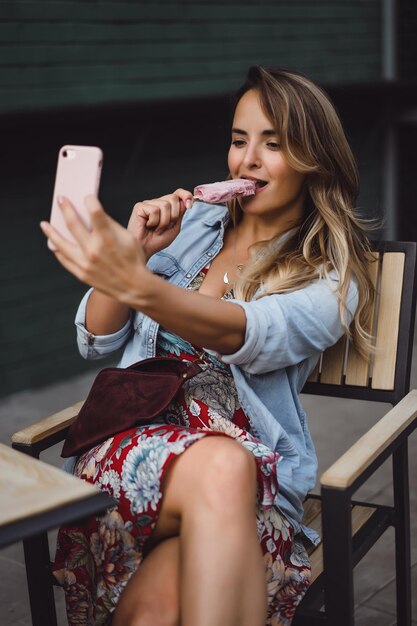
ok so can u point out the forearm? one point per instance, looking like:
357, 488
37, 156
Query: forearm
105, 315
202, 320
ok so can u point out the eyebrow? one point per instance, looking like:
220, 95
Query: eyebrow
265, 133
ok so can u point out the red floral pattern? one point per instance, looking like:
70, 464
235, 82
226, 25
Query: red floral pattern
95, 561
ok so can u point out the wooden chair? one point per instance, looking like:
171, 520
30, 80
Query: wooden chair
348, 528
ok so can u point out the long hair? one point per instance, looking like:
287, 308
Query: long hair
330, 235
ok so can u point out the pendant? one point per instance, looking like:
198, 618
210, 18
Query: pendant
226, 279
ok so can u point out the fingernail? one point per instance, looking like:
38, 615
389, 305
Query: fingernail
60, 199
43, 225
188, 203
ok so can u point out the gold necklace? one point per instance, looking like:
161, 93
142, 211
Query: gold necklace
239, 266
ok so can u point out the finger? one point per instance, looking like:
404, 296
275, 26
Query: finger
106, 231
151, 213
67, 248
100, 220
186, 197
169, 214
162, 213
176, 205
75, 224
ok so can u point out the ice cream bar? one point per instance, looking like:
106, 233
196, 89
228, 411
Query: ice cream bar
216, 193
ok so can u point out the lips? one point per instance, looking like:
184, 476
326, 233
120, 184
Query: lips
259, 184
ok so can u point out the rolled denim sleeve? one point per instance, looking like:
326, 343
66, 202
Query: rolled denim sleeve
285, 329
98, 346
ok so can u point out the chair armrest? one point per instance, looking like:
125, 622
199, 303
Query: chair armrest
49, 426
343, 473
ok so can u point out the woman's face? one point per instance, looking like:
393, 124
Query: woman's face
255, 154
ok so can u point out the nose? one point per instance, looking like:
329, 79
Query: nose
252, 158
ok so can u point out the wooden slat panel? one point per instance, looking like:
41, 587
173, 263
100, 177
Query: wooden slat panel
333, 362
312, 519
357, 368
316, 561
315, 523
360, 515
312, 508
388, 320
314, 376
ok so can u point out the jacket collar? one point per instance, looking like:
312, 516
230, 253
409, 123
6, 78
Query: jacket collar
214, 214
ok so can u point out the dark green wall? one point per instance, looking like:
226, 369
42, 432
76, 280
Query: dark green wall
57, 53
407, 36
148, 151
148, 83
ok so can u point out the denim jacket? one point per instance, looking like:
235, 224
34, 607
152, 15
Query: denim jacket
285, 334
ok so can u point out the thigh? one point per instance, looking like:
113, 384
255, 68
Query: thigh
153, 591
185, 478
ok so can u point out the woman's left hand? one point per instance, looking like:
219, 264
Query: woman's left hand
107, 257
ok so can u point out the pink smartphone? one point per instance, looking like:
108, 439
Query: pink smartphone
77, 176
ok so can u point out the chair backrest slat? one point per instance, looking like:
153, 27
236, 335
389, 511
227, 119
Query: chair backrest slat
357, 367
333, 363
315, 374
392, 273
312, 508
385, 377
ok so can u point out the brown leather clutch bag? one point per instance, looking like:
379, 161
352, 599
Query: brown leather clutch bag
122, 398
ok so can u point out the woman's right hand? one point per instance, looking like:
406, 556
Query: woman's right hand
156, 223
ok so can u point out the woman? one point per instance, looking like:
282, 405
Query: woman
211, 533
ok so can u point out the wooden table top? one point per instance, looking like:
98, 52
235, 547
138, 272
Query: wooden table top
29, 487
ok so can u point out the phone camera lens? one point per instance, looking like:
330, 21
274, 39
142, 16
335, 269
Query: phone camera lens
64, 153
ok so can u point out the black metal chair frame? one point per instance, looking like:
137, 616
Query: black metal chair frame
334, 589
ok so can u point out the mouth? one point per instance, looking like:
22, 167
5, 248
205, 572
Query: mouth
259, 184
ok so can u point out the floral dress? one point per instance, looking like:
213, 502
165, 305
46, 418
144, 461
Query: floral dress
94, 561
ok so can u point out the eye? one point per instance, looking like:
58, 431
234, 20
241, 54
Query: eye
238, 143
274, 145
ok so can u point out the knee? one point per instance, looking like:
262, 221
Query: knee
228, 457
216, 473
229, 472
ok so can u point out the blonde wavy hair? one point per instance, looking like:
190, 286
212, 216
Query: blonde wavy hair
330, 235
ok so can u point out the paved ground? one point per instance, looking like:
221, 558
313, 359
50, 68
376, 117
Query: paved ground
334, 424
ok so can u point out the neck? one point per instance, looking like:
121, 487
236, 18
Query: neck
252, 230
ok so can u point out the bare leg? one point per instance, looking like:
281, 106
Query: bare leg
152, 594
209, 501
213, 489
